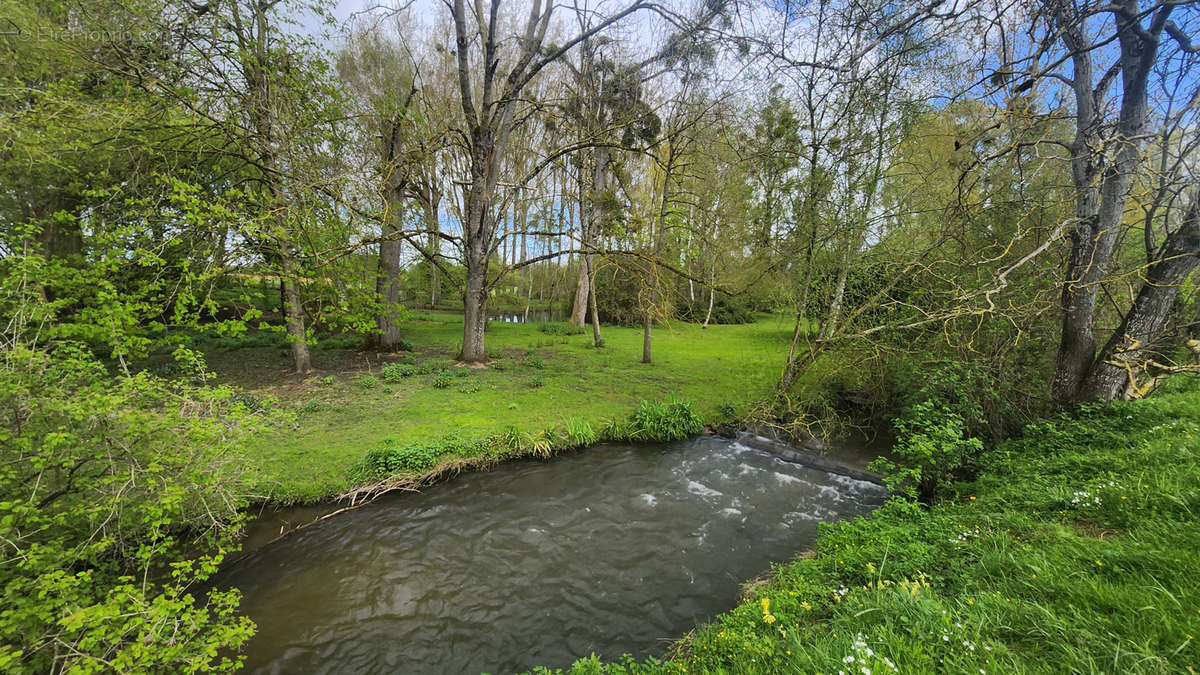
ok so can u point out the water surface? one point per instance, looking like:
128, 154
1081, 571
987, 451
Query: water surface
615, 549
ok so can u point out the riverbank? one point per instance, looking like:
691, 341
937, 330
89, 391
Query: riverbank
1073, 551
543, 379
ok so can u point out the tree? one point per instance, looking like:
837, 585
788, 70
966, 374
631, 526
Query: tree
1106, 155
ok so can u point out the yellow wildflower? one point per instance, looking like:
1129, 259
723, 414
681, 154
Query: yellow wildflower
769, 618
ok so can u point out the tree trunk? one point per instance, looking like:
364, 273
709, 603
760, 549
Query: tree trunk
835, 306
434, 226
1143, 323
597, 339
387, 291
474, 316
579, 308
647, 326
712, 295
294, 310
1102, 172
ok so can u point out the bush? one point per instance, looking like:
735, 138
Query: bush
725, 311
118, 498
391, 459
368, 382
535, 362
469, 388
395, 372
442, 380
536, 382
931, 445
664, 421
249, 402
309, 407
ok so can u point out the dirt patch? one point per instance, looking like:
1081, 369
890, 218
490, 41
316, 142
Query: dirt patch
1090, 529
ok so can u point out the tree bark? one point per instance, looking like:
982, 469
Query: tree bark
430, 206
1143, 323
294, 309
597, 339
387, 291
712, 295
647, 326
1102, 172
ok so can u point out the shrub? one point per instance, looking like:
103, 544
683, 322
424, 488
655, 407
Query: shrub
534, 362
442, 380
535, 382
395, 372
328, 380
469, 387
461, 372
368, 382
118, 498
391, 459
725, 311
931, 445
309, 407
249, 402
664, 421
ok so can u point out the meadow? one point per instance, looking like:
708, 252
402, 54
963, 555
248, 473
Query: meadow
539, 377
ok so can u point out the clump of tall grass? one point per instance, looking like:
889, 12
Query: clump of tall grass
577, 433
664, 421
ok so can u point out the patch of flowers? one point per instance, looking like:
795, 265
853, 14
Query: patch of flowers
864, 660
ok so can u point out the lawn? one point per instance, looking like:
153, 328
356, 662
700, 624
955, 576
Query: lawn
539, 377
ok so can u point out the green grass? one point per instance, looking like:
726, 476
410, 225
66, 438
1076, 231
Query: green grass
1075, 551
540, 379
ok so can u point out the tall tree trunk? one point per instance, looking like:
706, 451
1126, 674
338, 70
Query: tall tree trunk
597, 339
434, 226
387, 292
647, 326
1143, 323
294, 310
1102, 172
474, 316
580, 304
712, 295
579, 307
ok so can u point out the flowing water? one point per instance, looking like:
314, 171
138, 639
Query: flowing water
615, 549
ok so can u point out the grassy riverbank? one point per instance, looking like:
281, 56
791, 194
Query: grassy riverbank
1075, 550
542, 377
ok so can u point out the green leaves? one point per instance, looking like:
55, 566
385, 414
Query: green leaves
116, 496
931, 444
